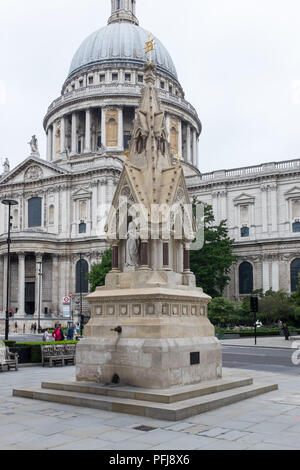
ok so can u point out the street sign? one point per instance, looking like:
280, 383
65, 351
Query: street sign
66, 301
71, 295
66, 311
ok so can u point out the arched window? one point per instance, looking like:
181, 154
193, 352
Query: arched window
82, 268
245, 232
246, 278
296, 227
35, 212
295, 269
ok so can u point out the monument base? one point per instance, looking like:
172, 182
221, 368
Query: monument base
150, 363
170, 405
145, 332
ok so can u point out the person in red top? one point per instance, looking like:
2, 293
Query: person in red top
57, 333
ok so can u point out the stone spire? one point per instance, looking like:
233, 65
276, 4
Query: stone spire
123, 11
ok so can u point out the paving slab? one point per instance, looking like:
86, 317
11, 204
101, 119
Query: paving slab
78, 428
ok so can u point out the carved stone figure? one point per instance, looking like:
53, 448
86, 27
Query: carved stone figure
33, 172
34, 145
132, 246
6, 166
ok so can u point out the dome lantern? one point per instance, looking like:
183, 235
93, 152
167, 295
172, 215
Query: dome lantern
123, 10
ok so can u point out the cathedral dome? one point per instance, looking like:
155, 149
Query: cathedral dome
121, 42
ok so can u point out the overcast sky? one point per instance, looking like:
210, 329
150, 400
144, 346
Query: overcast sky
237, 60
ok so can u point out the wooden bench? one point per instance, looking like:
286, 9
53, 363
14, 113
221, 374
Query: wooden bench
60, 354
8, 360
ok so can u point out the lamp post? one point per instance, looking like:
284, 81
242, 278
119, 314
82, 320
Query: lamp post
9, 203
40, 274
80, 288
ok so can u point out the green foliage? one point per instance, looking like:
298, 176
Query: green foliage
98, 272
296, 295
211, 265
275, 306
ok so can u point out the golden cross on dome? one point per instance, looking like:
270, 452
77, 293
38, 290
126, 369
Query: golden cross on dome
150, 45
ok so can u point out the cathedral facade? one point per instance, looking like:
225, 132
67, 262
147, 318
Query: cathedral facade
63, 199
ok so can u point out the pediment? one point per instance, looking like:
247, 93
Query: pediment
32, 169
293, 193
81, 193
244, 199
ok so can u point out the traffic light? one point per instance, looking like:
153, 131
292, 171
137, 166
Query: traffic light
254, 304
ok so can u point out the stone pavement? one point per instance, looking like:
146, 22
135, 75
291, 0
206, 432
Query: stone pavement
265, 342
270, 421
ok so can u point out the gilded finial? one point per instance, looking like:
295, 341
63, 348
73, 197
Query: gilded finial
150, 45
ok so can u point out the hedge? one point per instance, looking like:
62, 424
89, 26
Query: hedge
36, 355
8, 343
250, 333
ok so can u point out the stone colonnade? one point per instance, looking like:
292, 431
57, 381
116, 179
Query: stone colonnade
80, 132
57, 280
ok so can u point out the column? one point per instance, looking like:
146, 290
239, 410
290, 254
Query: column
266, 276
87, 131
38, 283
49, 144
21, 285
103, 127
55, 284
188, 144
115, 258
120, 129
4, 281
275, 275
94, 214
274, 208
180, 139
179, 257
264, 208
166, 257
62, 135
54, 141
74, 134
186, 258
194, 147
198, 156
144, 254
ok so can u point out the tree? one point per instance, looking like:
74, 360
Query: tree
211, 265
98, 272
296, 295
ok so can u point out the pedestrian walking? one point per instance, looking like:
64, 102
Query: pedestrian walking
24, 329
58, 334
16, 327
47, 337
34, 328
71, 332
286, 331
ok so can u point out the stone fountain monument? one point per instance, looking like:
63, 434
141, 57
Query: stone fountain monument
149, 348
163, 337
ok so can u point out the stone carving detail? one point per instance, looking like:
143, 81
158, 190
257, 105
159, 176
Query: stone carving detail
33, 173
34, 145
6, 166
132, 247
